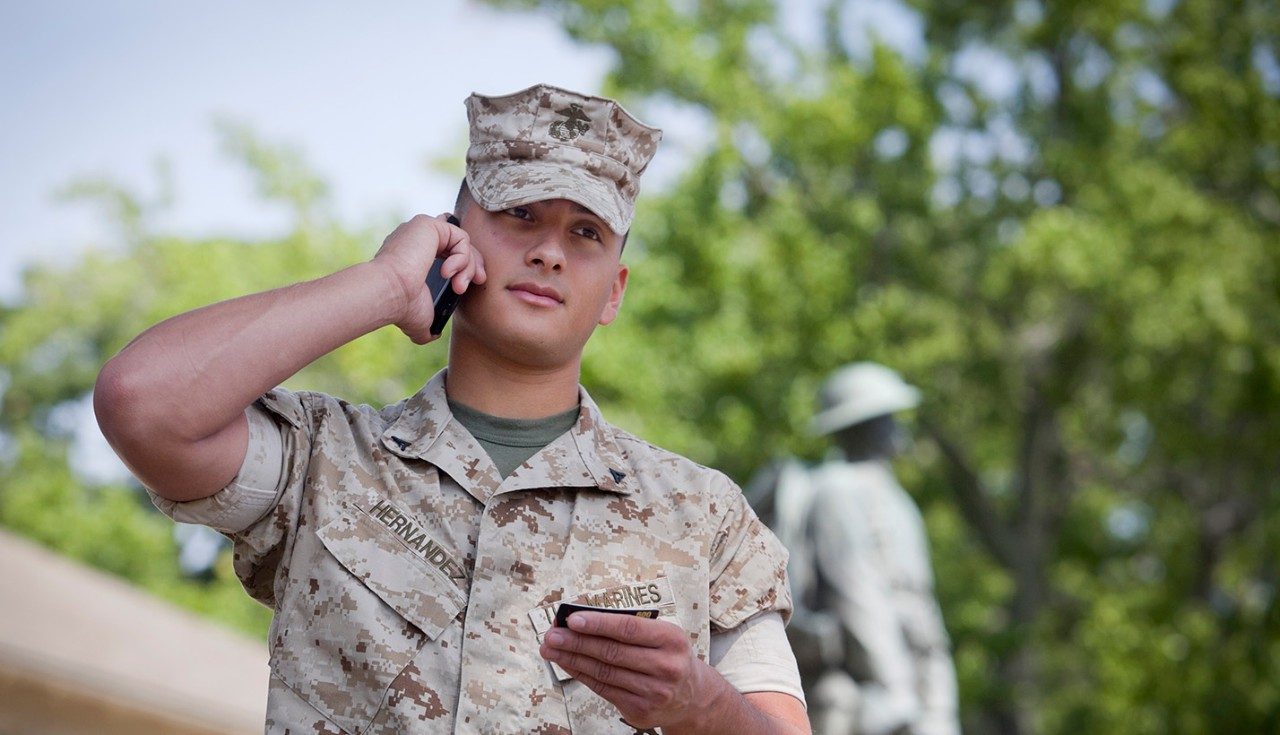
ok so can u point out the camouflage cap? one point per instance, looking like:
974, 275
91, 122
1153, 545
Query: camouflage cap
545, 142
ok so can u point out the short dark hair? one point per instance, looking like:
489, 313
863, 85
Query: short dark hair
463, 200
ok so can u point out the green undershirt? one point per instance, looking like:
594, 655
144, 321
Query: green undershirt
510, 442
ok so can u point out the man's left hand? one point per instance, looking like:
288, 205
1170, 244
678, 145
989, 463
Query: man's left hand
645, 668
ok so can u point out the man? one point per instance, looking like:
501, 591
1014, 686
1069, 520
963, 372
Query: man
415, 555
867, 631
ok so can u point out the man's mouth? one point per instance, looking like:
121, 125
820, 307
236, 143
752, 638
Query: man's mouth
536, 293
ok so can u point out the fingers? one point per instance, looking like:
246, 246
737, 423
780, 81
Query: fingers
627, 701
418, 326
587, 653
464, 268
646, 668
643, 701
463, 264
407, 255
643, 670
628, 629
636, 682
419, 336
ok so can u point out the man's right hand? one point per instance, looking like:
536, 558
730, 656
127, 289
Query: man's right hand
406, 257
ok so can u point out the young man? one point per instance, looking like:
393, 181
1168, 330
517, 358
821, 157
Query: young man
415, 555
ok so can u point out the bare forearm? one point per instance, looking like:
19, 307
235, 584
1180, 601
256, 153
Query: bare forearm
189, 379
199, 370
729, 712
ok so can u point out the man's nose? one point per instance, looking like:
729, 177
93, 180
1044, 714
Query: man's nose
547, 252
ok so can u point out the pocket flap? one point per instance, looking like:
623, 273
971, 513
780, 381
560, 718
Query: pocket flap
407, 583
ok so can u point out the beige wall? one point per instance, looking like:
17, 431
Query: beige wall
30, 707
83, 652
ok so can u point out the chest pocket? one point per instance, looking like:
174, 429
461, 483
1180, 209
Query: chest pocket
365, 606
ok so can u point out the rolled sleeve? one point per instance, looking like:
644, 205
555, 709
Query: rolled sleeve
260, 509
250, 495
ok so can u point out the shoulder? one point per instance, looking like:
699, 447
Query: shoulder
655, 465
313, 410
690, 494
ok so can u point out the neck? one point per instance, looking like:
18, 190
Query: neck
489, 383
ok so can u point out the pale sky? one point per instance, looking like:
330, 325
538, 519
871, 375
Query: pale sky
103, 87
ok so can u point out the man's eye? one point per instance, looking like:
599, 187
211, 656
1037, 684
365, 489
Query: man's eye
590, 232
521, 212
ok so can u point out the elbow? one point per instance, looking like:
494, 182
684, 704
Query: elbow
137, 421
120, 407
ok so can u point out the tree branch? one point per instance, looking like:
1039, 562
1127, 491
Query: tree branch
977, 510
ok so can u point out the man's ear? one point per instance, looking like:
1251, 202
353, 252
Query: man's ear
616, 291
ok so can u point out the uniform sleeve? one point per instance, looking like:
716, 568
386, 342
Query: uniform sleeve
756, 657
748, 564
249, 495
260, 508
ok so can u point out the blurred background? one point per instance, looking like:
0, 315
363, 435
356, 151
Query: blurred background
1060, 220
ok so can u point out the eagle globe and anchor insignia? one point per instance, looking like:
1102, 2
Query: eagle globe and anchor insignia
575, 123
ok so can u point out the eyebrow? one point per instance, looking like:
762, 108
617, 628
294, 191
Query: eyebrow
579, 209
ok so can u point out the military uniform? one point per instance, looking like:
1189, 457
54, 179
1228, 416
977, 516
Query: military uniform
412, 583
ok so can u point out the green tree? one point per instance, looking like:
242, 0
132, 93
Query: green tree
1060, 219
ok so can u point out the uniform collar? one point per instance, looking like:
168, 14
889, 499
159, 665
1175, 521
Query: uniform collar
588, 455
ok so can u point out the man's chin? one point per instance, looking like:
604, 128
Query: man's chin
525, 345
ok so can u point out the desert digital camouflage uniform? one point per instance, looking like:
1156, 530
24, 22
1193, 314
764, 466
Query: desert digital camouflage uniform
411, 583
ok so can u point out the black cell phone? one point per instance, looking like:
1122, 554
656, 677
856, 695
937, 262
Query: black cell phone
566, 609
443, 296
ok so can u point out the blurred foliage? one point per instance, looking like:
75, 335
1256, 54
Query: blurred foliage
1060, 220
71, 318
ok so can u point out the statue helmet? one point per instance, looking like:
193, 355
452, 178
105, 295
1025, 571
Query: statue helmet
858, 392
